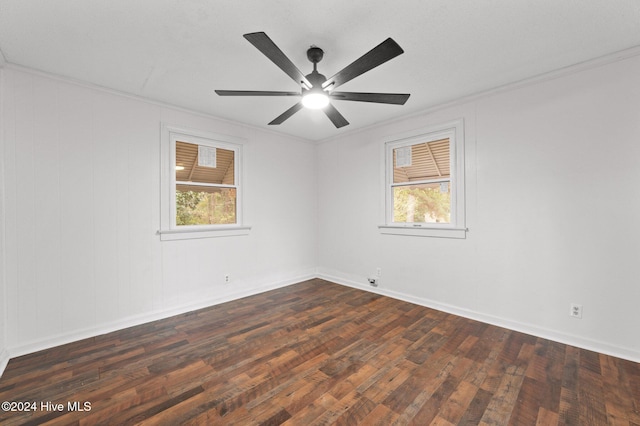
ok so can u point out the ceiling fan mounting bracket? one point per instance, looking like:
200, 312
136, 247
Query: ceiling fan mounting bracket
315, 54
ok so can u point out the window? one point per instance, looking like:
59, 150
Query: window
201, 194
424, 183
206, 190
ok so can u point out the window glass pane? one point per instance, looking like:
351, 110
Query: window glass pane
423, 203
190, 169
421, 161
205, 205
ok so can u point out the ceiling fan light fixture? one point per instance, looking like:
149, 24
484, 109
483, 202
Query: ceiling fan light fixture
315, 99
316, 90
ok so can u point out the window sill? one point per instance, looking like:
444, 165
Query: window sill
423, 231
193, 233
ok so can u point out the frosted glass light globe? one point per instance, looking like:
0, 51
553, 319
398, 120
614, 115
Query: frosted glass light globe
315, 100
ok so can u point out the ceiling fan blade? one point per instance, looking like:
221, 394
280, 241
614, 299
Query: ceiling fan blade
288, 113
381, 98
264, 44
254, 93
336, 118
380, 54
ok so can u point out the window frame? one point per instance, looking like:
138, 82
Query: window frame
169, 230
453, 130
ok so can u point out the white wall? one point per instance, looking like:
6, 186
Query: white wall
4, 353
552, 207
82, 208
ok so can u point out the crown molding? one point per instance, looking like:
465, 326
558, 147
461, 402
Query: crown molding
600, 61
93, 86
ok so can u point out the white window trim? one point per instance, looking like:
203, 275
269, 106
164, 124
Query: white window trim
457, 228
168, 228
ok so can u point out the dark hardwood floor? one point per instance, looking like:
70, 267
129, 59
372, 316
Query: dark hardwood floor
320, 353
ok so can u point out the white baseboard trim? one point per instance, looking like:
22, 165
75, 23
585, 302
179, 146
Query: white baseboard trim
4, 360
64, 338
568, 339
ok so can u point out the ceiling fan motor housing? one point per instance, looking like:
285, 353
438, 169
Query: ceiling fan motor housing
316, 79
314, 97
314, 54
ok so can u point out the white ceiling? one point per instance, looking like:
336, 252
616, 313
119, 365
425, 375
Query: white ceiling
179, 51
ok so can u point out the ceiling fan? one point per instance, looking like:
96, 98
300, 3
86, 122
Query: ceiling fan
315, 89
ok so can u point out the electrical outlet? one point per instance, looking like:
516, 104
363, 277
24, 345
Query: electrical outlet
373, 282
378, 272
227, 278
575, 311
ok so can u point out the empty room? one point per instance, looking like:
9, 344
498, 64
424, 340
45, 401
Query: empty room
272, 212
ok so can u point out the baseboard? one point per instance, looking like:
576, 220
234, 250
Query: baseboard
64, 338
4, 360
569, 339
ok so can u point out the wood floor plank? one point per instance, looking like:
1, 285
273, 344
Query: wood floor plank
569, 403
476, 408
503, 401
320, 353
455, 407
379, 416
546, 417
448, 383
